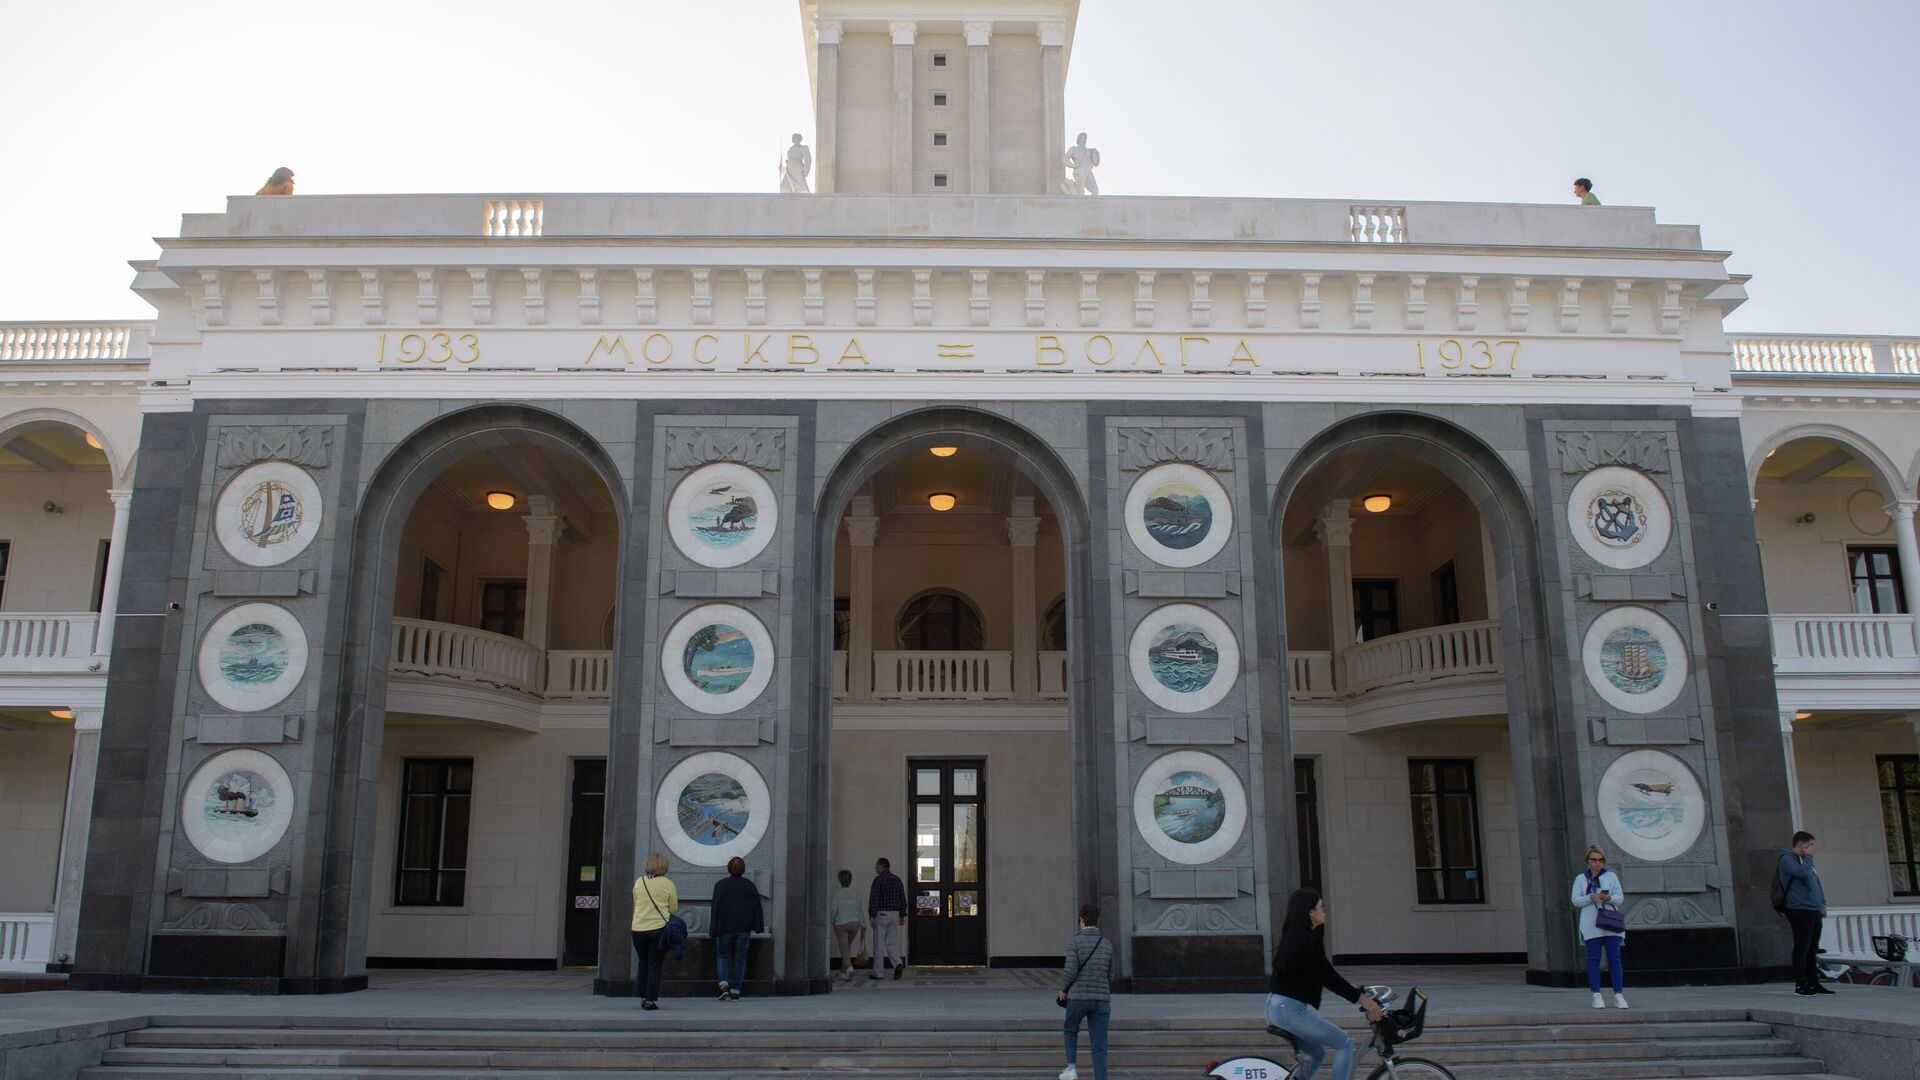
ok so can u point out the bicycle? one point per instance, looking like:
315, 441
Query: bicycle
1888, 947
1394, 1027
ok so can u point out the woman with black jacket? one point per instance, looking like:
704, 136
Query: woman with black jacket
1300, 971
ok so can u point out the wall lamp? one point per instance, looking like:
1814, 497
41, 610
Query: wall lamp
1804, 519
500, 500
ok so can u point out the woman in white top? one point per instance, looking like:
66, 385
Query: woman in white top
1595, 889
849, 917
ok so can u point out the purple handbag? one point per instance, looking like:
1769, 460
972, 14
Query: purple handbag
1606, 917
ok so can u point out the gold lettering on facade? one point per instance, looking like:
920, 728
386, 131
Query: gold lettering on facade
751, 352
852, 352
1044, 344
1474, 355
619, 343
1242, 354
801, 343
1184, 338
954, 350
1112, 350
646, 349
697, 358
1148, 347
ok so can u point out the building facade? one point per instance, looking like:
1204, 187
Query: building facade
429, 561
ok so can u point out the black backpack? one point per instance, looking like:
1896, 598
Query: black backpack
1778, 894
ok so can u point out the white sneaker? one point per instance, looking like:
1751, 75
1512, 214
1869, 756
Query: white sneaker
1069, 1073
1619, 1001
1598, 1002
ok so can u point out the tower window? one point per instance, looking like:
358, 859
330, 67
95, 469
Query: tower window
939, 138
939, 59
939, 179
939, 99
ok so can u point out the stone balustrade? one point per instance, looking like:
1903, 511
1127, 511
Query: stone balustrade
26, 943
35, 642
1468, 648
102, 342
1053, 675
931, 675
1809, 354
462, 652
1844, 645
1310, 675
580, 673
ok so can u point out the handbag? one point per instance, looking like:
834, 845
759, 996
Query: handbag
673, 935
1060, 999
1607, 917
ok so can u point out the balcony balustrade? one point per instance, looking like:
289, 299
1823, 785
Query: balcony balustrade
1845, 645
942, 676
38, 642
102, 342
1310, 675
1053, 675
26, 943
441, 650
1808, 354
585, 674
1469, 648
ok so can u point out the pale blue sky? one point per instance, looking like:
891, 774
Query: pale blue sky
1787, 131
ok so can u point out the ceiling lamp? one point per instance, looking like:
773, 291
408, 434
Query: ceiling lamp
943, 451
62, 714
1377, 504
500, 500
1801, 715
91, 441
942, 500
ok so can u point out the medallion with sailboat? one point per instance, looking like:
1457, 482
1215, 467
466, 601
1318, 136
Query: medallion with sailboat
236, 806
1635, 659
267, 514
1184, 657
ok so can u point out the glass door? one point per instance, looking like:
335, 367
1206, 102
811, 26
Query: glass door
947, 886
583, 863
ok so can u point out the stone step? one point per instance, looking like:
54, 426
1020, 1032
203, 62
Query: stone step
1713, 1069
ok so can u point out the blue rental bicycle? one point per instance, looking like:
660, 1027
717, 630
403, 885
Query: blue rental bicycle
1395, 1026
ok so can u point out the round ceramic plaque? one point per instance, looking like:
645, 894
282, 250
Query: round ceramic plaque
717, 658
1619, 517
268, 513
711, 807
722, 515
1178, 515
252, 657
1190, 806
1651, 805
1635, 659
1184, 658
236, 806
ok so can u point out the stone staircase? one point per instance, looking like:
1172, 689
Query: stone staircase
1603, 1046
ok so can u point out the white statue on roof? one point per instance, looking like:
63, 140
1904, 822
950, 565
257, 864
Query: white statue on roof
794, 168
1081, 159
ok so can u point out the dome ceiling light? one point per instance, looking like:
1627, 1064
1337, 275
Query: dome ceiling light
61, 714
943, 451
93, 442
942, 500
1377, 504
500, 500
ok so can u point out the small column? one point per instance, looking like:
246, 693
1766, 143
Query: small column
116, 558
979, 104
77, 823
1053, 105
904, 32
1793, 768
1336, 532
862, 528
1901, 510
1022, 528
826, 102
543, 529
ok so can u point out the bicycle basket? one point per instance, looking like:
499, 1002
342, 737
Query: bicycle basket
1890, 947
1405, 1024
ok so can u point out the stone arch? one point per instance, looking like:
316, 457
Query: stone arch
1090, 758
331, 949
1541, 744
119, 467
1894, 483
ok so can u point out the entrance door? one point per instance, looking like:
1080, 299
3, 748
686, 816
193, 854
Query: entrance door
947, 883
583, 862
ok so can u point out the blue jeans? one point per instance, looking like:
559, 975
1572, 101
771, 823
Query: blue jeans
731, 946
1610, 943
1316, 1035
1096, 1014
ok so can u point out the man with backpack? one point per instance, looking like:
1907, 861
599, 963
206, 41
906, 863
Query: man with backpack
1797, 895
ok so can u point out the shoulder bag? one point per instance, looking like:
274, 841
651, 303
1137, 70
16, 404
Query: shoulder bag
1607, 917
673, 935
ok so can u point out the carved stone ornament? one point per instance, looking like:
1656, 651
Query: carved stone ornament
308, 446
223, 916
759, 448
1143, 448
1581, 451
1669, 911
1188, 918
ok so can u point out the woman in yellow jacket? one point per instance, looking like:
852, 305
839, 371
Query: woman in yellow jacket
654, 898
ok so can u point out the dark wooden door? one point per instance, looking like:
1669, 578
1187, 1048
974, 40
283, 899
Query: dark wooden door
947, 877
583, 862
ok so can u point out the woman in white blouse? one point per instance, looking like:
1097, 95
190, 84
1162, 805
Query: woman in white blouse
1595, 890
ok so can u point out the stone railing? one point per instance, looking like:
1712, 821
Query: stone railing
1469, 648
580, 673
1809, 354
461, 652
1844, 644
1053, 675
1377, 224
26, 943
514, 217
39, 642
1309, 675
107, 342
1849, 932
942, 676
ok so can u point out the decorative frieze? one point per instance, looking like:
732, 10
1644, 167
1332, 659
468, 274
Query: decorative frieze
1197, 918
307, 446
757, 448
1142, 447
1581, 451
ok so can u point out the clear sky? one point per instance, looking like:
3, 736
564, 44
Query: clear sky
1786, 130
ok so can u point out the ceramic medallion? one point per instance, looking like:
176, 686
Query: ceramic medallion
722, 515
1184, 657
1619, 517
268, 513
236, 806
1189, 806
711, 807
1178, 515
252, 656
1651, 805
1635, 659
717, 658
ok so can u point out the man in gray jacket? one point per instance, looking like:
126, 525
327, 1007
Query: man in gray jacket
1086, 992
1806, 909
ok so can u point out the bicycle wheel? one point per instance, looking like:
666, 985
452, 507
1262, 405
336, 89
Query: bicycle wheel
1411, 1069
1884, 977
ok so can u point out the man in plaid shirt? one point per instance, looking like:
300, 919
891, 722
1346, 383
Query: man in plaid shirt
886, 907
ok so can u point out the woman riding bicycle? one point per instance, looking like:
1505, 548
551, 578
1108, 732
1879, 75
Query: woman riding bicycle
1300, 971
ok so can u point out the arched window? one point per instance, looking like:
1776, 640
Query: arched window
939, 621
1053, 626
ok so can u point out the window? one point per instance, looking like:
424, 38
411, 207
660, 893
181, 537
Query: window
1900, 811
940, 621
842, 622
503, 606
939, 99
432, 576
1446, 831
100, 573
939, 59
6, 546
1446, 595
436, 802
1876, 581
1376, 608
939, 138
939, 179
1053, 626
